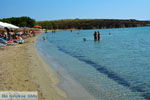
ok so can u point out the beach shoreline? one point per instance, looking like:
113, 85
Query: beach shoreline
22, 69
73, 89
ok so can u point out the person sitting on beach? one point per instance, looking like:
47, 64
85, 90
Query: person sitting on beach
19, 39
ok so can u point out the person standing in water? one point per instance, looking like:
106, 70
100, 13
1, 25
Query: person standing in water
95, 36
98, 36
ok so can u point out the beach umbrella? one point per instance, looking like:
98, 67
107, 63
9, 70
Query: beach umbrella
3, 25
12, 26
37, 26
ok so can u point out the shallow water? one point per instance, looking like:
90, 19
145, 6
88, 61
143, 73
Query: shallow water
116, 68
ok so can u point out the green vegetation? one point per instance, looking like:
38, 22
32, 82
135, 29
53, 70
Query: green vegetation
20, 21
91, 23
76, 23
47, 24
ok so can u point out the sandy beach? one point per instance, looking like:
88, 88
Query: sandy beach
22, 69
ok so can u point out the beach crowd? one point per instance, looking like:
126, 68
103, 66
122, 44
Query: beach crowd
14, 36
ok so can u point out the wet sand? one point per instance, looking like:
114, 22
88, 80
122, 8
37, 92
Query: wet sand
22, 69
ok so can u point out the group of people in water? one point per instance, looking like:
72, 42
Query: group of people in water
96, 36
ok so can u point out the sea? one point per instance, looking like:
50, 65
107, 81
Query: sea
115, 68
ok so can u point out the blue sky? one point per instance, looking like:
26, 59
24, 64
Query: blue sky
68, 9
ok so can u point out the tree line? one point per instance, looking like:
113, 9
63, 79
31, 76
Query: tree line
20, 21
91, 23
76, 23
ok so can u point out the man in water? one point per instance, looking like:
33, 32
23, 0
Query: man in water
95, 36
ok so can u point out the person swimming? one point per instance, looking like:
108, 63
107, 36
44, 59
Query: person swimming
84, 39
44, 38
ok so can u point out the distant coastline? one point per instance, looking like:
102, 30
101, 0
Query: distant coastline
92, 23
71, 24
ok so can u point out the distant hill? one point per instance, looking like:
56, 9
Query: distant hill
92, 23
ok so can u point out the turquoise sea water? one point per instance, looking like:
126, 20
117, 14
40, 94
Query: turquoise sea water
116, 68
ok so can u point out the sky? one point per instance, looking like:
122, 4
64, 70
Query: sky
41, 10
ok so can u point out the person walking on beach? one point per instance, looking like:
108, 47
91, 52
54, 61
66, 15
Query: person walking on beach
98, 36
95, 36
